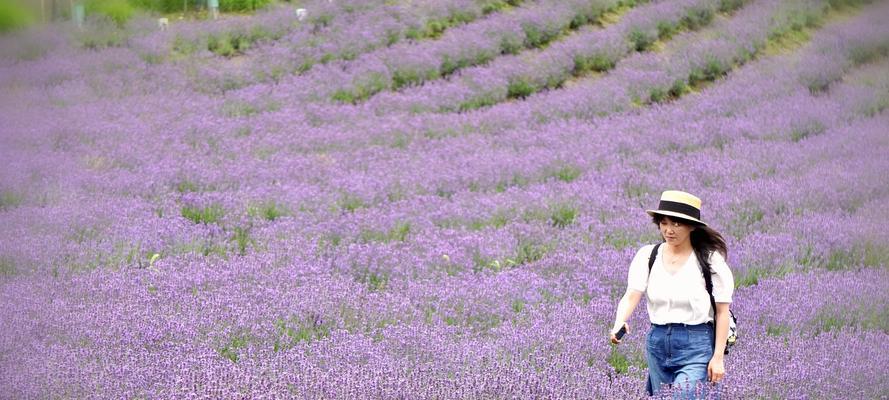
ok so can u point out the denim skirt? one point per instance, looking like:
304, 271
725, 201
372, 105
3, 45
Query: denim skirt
678, 355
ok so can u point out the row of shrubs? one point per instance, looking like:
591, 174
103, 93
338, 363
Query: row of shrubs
170, 6
14, 14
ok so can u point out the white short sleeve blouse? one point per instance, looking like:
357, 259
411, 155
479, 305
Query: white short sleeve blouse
680, 297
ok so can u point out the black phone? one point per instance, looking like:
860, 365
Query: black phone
620, 333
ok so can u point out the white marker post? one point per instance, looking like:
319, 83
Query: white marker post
79, 13
213, 5
163, 23
301, 13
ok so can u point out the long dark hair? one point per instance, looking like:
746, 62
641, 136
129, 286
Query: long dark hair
704, 239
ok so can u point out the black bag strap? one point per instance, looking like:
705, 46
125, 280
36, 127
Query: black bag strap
653, 256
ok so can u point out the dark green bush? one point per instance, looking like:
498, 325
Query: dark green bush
697, 18
641, 40
599, 62
727, 6
519, 89
242, 5
536, 36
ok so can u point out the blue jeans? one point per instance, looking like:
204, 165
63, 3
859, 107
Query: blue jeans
678, 355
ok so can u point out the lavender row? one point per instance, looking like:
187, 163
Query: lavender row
412, 63
592, 49
339, 40
621, 90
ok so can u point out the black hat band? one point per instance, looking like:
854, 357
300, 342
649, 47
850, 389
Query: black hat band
681, 208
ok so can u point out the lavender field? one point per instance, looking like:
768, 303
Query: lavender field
437, 199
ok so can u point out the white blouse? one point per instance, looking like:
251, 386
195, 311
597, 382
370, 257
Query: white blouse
680, 297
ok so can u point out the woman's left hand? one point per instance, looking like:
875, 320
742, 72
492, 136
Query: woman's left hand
716, 369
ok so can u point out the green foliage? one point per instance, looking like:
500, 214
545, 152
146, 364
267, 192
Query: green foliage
526, 251
496, 5
268, 210
7, 266
119, 11
477, 102
728, 6
567, 173
618, 361
636, 190
411, 77
511, 45
563, 214
497, 220
519, 88
238, 108
100, 33
538, 36
344, 96
597, 62
756, 273
841, 259
777, 330
657, 95
362, 89
875, 255
398, 233
203, 215
321, 21
231, 349
187, 186
697, 18
518, 305
241, 238
829, 320
865, 54
449, 64
9, 200
376, 281
810, 128
184, 46
242, 5
665, 29
660, 94
679, 88
350, 203
13, 16
168, 6
205, 248
293, 330
517, 180
746, 218
712, 69
641, 40
223, 45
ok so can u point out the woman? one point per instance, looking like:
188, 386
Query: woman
684, 347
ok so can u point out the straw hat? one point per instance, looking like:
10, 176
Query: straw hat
675, 203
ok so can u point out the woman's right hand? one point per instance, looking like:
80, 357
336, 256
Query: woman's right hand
614, 339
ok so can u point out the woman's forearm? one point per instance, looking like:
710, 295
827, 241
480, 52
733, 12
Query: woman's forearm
625, 308
722, 315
